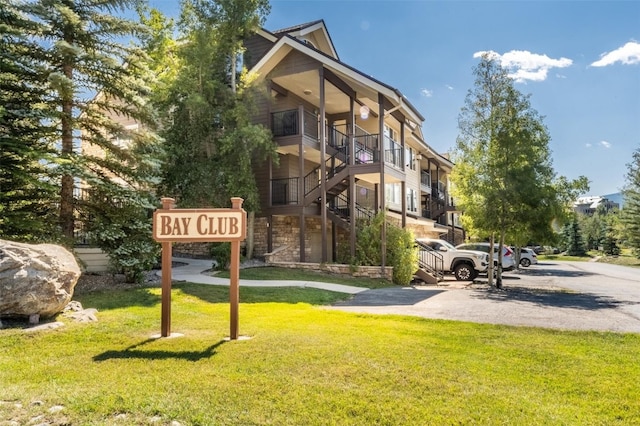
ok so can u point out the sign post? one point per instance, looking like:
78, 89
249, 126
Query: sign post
167, 253
200, 225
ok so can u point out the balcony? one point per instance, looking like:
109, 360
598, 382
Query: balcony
288, 123
393, 153
284, 191
425, 182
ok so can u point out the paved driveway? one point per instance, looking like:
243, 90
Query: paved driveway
552, 294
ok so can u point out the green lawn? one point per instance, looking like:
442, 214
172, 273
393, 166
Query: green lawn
306, 365
277, 273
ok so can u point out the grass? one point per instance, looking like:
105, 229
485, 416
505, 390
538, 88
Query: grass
308, 365
625, 258
586, 258
276, 273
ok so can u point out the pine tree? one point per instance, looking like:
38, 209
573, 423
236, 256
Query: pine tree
94, 84
572, 235
27, 208
630, 216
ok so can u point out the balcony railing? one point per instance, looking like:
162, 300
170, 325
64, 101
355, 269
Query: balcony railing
284, 191
285, 123
367, 149
425, 182
288, 123
393, 153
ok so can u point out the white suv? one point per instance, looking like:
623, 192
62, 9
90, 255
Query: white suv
508, 256
464, 264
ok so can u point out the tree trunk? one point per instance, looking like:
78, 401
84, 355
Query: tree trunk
500, 246
251, 218
490, 272
66, 151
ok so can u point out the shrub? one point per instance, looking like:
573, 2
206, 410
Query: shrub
123, 231
400, 250
221, 253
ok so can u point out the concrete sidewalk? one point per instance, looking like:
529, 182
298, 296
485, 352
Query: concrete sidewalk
194, 270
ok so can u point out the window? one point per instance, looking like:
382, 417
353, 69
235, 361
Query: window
393, 193
410, 155
412, 200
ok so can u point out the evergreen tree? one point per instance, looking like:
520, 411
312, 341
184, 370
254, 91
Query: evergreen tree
630, 216
81, 56
574, 245
27, 208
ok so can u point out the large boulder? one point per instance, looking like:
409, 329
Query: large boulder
35, 280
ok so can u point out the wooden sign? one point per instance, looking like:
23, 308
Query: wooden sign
200, 225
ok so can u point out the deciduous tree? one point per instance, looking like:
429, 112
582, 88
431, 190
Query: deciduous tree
503, 176
212, 142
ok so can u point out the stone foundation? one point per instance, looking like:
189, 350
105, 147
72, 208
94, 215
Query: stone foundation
192, 250
334, 268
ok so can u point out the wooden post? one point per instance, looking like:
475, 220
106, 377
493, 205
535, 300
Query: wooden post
234, 279
165, 321
206, 225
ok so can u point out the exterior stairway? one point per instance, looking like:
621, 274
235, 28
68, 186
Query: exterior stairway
430, 264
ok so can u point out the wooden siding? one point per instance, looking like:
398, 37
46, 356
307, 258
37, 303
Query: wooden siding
256, 46
294, 63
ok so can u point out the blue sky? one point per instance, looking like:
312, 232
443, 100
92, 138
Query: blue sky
579, 61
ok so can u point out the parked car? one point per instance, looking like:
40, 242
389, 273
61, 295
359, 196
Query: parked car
536, 249
508, 256
528, 257
465, 265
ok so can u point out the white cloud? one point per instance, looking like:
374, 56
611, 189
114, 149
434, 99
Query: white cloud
427, 93
588, 145
627, 54
523, 65
448, 86
605, 144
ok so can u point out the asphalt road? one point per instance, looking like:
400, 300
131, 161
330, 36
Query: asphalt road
551, 294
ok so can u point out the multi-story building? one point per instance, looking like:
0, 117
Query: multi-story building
588, 205
348, 146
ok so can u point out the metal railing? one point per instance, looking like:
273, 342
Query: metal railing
285, 123
425, 181
393, 153
367, 149
430, 260
340, 206
288, 123
334, 164
284, 191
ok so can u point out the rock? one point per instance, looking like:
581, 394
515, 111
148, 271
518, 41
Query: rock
35, 279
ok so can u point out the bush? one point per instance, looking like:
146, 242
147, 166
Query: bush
401, 254
124, 232
400, 250
221, 253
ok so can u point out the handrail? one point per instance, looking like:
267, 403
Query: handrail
342, 206
366, 147
334, 164
430, 260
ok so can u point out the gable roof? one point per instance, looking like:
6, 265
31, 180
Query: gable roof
314, 32
286, 42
